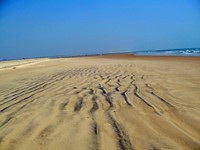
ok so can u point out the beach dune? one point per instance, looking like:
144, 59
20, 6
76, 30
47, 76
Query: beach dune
112, 102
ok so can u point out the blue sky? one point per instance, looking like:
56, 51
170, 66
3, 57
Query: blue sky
31, 28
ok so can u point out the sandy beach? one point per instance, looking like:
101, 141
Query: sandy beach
112, 102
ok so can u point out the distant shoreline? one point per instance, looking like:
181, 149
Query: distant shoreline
13, 64
195, 52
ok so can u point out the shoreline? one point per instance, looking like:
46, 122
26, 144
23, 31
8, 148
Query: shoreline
111, 55
93, 55
27, 62
133, 56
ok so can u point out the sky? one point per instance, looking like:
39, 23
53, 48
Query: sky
36, 28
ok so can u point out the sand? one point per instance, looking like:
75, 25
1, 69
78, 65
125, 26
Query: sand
20, 63
115, 102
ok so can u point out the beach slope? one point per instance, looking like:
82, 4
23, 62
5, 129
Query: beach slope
112, 102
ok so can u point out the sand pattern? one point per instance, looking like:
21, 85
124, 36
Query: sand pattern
101, 104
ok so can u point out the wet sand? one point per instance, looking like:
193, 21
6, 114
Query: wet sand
112, 102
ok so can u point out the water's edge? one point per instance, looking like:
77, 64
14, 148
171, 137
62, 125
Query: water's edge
166, 52
170, 52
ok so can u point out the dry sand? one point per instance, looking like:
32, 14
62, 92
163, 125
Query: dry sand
118, 102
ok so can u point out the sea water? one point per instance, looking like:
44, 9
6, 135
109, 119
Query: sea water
170, 52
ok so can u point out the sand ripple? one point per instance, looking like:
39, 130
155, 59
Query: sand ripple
101, 104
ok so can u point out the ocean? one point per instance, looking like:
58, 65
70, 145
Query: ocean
170, 52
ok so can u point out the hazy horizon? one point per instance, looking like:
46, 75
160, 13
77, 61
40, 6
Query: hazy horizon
47, 28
